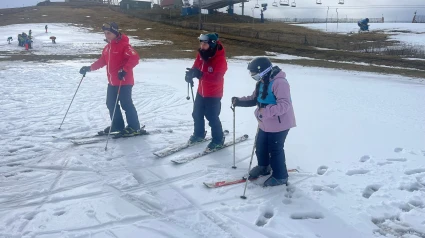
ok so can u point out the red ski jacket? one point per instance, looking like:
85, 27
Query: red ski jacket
213, 70
118, 55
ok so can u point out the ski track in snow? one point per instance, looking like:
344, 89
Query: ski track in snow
69, 176
140, 186
347, 188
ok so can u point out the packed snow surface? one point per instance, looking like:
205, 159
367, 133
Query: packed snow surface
359, 146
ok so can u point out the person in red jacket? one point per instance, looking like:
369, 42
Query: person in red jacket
209, 67
119, 58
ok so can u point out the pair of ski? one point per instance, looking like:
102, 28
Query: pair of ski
100, 136
164, 152
186, 158
237, 181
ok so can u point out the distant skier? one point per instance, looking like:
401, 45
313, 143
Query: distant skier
45, 28
363, 24
9, 39
275, 116
28, 43
53, 38
29, 33
24, 40
20, 40
119, 58
29, 40
209, 67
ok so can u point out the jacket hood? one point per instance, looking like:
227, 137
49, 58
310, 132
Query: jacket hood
121, 39
277, 73
220, 49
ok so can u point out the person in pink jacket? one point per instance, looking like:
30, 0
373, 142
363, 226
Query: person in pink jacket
275, 116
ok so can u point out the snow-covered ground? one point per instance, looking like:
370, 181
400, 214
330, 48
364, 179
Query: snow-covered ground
360, 145
274, 55
347, 27
71, 39
408, 33
278, 56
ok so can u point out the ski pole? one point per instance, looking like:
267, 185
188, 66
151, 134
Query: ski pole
191, 88
234, 136
250, 163
72, 101
188, 86
113, 116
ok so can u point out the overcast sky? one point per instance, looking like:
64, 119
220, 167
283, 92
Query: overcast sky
393, 13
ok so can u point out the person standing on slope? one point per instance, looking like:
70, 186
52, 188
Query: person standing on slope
20, 40
119, 58
363, 24
29, 42
275, 116
209, 67
45, 28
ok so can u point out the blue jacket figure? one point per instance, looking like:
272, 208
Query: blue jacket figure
29, 42
23, 39
9, 39
363, 24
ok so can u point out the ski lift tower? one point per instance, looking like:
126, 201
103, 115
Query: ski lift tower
212, 5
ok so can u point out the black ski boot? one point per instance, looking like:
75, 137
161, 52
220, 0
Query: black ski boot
196, 139
106, 131
129, 132
258, 171
215, 146
272, 181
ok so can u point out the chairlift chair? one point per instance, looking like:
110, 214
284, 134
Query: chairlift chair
341, 2
284, 2
257, 5
274, 4
293, 4
319, 2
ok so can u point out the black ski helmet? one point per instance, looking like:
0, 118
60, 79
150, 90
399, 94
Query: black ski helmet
262, 67
259, 64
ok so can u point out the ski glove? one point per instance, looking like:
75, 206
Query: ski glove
197, 73
236, 102
121, 74
85, 69
189, 76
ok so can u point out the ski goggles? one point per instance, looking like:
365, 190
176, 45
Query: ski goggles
205, 39
259, 76
107, 26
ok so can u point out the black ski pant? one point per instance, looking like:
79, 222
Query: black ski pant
127, 105
270, 151
209, 108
